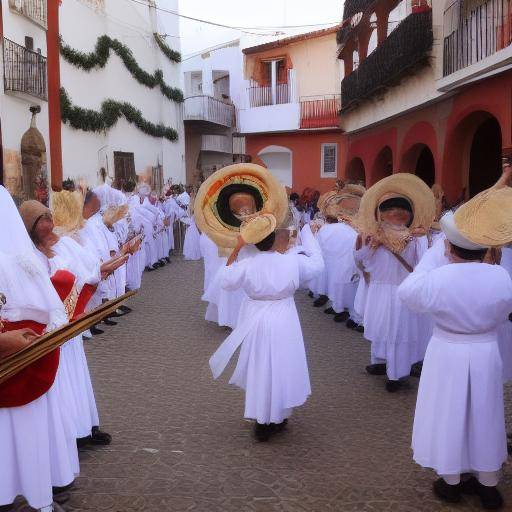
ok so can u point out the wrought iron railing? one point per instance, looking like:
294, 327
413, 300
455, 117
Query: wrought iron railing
207, 108
320, 111
262, 96
474, 33
409, 45
33, 9
216, 143
24, 70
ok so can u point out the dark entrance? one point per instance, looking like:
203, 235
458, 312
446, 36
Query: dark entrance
124, 168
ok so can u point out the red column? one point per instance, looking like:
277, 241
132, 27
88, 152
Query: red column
52, 44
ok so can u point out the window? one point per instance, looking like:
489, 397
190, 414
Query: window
29, 43
329, 165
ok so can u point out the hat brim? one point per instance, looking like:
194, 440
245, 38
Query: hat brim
454, 236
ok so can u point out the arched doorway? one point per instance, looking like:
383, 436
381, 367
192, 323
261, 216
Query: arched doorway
278, 161
383, 165
485, 156
355, 172
419, 160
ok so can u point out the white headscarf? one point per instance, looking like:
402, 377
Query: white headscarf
29, 292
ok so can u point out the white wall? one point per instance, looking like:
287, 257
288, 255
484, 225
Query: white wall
272, 118
133, 25
14, 107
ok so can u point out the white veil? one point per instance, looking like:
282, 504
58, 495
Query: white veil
25, 283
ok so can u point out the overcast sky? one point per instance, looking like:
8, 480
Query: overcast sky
249, 13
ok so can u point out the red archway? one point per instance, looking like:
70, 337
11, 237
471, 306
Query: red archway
355, 171
419, 160
383, 164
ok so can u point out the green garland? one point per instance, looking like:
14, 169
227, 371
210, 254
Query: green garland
171, 54
92, 121
99, 58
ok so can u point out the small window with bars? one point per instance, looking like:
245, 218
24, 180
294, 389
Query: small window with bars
329, 164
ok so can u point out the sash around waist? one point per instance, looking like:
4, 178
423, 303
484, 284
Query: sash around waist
454, 337
270, 301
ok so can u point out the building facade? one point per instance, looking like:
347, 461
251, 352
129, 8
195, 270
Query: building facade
427, 89
121, 93
290, 110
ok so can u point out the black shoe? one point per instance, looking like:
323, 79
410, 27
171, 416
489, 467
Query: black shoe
99, 438
95, 331
149, 269
167, 259
490, 497
107, 321
125, 309
156, 266
351, 324
360, 328
393, 385
61, 498
7, 508
329, 311
321, 301
446, 492
311, 295
65, 488
376, 369
279, 427
115, 314
82, 442
341, 317
416, 369
262, 432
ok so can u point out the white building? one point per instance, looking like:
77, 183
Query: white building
24, 85
214, 90
150, 145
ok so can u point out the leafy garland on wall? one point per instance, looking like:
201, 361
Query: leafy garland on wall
99, 58
93, 121
171, 54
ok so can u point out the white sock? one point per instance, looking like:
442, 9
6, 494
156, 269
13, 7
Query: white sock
451, 479
488, 478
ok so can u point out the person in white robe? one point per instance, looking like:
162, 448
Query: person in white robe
38, 448
272, 365
191, 245
211, 260
459, 425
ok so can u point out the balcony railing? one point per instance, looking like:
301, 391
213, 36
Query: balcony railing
32, 9
209, 109
320, 111
472, 34
24, 70
262, 96
217, 143
408, 46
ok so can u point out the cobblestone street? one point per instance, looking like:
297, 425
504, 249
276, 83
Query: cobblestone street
180, 442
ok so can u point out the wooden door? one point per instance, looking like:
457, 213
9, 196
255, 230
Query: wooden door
124, 168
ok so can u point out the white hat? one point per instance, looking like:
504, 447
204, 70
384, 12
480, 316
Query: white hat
454, 236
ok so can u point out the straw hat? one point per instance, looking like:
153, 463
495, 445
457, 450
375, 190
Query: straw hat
31, 211
67, 211
257, 229
334, 204
211, 207
486, 219
404, 185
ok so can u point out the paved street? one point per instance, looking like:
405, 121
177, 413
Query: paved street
180, 442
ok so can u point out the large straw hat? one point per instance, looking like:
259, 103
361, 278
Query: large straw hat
31, 211
211, 207
403, 185
67, 211
334, 202
486, 219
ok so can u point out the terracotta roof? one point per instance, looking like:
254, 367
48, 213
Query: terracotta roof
288, 40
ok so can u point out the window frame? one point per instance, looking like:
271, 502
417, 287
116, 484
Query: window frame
323, 174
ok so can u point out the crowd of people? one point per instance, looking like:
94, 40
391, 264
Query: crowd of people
56, 264
429, 287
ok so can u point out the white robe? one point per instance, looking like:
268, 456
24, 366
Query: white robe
337, 242
397, 334
191, 248
505, 329
459, 423
272, 366
211, 259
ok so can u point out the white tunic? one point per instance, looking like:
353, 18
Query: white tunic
272, 366
505, 329
191, 249
397, 334
337, 242
211, 259
459, 423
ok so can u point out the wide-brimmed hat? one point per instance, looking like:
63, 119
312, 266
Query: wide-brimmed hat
31, 211
331, 204
486, 219
211, 207
67, 211
403, 185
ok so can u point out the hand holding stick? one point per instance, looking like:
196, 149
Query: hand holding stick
14, 341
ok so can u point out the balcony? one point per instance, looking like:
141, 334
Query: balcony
34, 10
217, 144
320, 111
206, 109
24, 70
472, 34
408, 46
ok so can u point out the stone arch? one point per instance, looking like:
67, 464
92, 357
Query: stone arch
355, 171
278, 160
33, 162
473, 154
383, 164
419, 160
